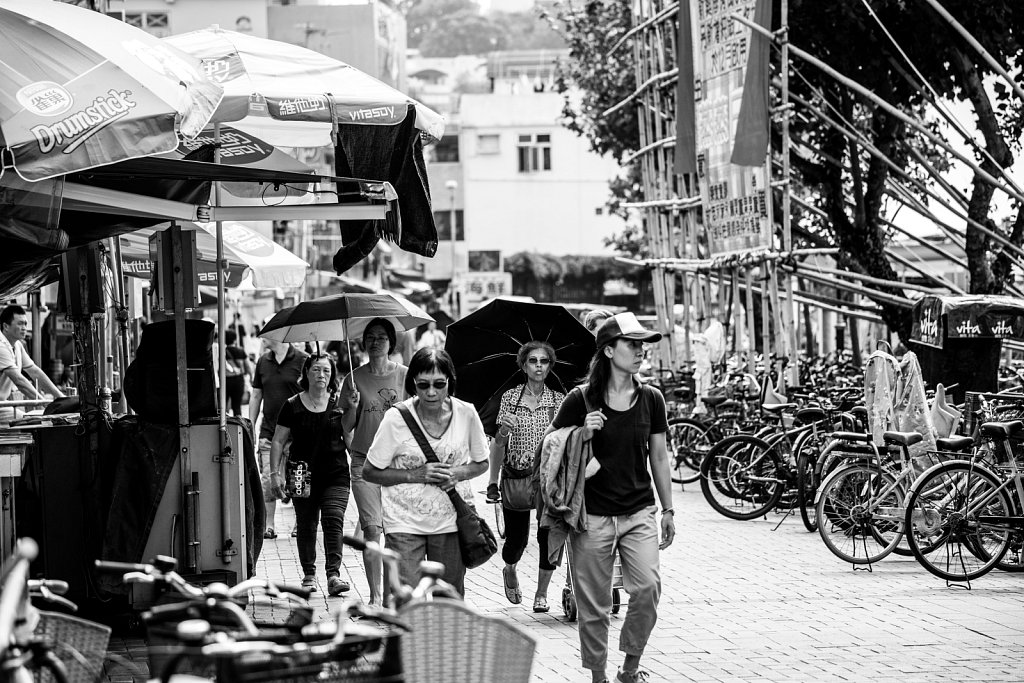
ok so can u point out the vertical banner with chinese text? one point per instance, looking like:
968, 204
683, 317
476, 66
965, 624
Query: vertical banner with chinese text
734, 198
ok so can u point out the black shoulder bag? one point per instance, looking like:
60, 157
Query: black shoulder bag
476, 540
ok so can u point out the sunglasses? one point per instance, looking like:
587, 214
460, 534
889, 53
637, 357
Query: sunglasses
539, 361
438, 384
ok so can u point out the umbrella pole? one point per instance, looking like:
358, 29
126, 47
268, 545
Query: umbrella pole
227, 545
348, 352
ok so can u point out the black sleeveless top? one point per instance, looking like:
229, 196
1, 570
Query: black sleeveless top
317, 439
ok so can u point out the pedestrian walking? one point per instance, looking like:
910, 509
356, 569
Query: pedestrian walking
315, 473
238, 370
626, 422
524, 414
372, 388
593, 319
275, 380
419, 517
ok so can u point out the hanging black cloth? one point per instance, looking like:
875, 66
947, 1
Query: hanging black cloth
393, 154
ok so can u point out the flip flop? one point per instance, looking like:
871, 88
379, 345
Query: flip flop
512, 592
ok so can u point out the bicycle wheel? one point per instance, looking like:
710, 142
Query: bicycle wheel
741, 477
689, 440
848, 502
806, 487
955, 509
499, 519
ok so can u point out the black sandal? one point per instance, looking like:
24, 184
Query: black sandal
269, 534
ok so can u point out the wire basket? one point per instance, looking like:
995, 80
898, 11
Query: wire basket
80, 644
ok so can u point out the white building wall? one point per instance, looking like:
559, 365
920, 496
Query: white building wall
192, 15
548, 211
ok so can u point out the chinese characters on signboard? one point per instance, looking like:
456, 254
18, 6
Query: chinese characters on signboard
734, 197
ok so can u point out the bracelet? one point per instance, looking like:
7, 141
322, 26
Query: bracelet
668, 511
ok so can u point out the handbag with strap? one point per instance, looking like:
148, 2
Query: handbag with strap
519, 486
476, 540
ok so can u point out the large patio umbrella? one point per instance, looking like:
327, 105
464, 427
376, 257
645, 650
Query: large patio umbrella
79, 89
292, 96
246, 252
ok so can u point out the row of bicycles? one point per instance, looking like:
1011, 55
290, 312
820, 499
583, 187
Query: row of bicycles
958, 509
214, 632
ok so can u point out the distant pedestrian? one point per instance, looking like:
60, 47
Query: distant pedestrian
432, 338
379, 384
524, 414
275, 380
626, 422
593, 319
238, 370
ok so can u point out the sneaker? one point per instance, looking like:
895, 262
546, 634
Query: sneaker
336, 586
632, 676
309, 583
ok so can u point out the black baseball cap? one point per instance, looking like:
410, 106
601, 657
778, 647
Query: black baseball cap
624, 326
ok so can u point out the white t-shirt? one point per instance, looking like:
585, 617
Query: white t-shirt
11, 357
425, 508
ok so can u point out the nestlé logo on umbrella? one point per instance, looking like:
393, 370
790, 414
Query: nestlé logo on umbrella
45, 98
83, 124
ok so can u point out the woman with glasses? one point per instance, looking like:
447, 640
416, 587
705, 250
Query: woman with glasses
419, 518
524, 415
312, 421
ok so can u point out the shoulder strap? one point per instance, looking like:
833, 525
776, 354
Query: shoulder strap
417, 433
583, 393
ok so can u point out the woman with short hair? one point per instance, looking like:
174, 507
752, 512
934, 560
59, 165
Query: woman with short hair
419, 518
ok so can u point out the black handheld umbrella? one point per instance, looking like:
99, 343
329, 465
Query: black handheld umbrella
484, 345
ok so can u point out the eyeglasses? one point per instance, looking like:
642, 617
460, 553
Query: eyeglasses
439, 384
539, 361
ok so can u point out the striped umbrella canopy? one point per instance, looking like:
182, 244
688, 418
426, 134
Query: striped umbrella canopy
342, 316
79, 89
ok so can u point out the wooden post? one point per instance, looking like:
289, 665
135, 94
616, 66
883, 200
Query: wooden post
751, 332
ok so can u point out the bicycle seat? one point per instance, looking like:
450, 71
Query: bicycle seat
713, 401
852, 436
954, 443
726, 406
1002, 430
777, 407
861, 413
902, 438
809, 415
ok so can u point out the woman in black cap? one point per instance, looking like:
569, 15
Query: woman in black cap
626, 422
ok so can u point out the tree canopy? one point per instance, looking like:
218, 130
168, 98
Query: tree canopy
854, 160
449, 28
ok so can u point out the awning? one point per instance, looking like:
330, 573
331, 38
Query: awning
245, 250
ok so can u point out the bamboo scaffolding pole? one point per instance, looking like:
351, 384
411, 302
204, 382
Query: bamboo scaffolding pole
858, 289
891, 109
653, 80
668, 12
973, 42
924, 87
923, 272
664, 142
822, 270
675, 204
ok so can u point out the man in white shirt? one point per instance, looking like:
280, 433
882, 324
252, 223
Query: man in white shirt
15, 363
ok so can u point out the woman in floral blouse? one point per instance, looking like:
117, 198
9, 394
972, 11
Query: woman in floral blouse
523, 417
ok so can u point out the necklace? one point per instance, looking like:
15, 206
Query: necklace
535, 395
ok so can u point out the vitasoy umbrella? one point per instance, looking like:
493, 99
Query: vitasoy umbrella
292, 96
79, 89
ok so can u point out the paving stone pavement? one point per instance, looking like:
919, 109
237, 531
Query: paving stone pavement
744, 601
